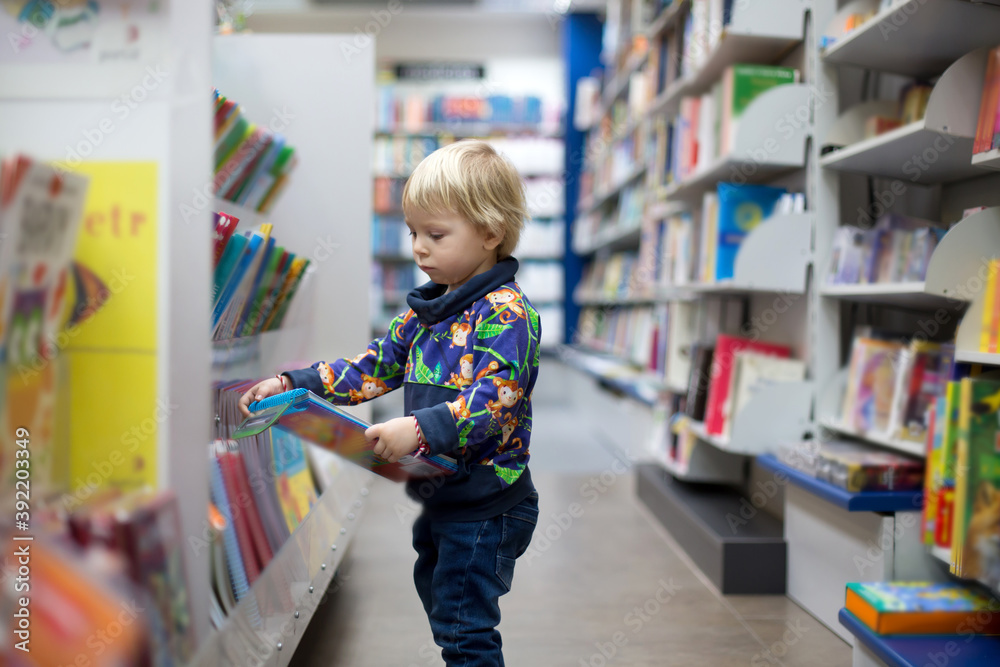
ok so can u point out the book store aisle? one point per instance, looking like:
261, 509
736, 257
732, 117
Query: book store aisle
603, 585
750, 249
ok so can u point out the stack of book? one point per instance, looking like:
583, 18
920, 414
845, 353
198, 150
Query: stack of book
262, 487
703, 28
923, 608
854, 467
667, 249
962, 487
890, 385
895, 249
252, 164
739, 368
706, 127
254, 280
611, 278
988, 126
728, 215
143, 527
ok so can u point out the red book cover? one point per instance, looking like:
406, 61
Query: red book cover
225, 225
237, 506
987, 106
252, 512
945, 514
723, 361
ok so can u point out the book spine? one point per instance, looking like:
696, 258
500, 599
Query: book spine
234, 559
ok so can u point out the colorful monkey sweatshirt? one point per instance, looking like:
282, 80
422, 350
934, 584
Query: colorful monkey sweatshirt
467, 362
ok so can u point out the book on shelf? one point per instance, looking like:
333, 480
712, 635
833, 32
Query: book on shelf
922, 608
252, 164
752, 372
698, 382
854, 467
895, 249
400, 111
891, 384
254, 282
723, 365
989, 330
728, 215
987, 135
318, 421
706, 126
41, 211
976, 534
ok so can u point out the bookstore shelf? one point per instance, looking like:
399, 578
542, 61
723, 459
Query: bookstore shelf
614, 373
597, 200
611, 238
776, 254
587, 299
869, 501
666, 19
763, 147
935, 149
754, 35
270, 620
917, 38
620, 81
754, 429
882, 440
908, 294
968, 650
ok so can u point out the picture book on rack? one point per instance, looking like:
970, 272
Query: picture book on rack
318, 421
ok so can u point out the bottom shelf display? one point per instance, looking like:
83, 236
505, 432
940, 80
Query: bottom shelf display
968, 650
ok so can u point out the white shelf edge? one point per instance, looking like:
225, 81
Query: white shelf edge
957, 269
872, 289
943, 554
988, 160
906, 447
608, 236
976, 357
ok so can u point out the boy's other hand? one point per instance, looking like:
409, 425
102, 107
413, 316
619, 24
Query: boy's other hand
258, 392
396, 438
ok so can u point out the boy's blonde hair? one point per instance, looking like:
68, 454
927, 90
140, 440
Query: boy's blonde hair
471, 179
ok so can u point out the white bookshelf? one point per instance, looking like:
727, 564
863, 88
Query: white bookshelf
916, 37
905, 294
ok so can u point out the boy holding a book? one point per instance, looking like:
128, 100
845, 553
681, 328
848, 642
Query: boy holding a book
466, 355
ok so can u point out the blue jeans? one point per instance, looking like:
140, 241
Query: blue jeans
462, 569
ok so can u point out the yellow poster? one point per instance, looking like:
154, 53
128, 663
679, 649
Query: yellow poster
110, 333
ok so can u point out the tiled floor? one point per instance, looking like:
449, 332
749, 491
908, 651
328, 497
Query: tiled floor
608, 587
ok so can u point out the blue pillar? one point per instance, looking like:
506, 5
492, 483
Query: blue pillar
581, 43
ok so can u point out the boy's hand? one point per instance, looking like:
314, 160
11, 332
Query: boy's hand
259, 391
396, 438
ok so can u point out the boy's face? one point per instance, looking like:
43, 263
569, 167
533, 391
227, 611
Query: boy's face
449, 249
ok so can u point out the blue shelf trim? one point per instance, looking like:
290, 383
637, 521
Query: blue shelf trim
922, 650
868, 501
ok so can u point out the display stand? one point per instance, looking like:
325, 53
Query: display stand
323, 214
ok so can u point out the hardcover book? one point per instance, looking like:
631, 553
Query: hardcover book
920, 607
318, 421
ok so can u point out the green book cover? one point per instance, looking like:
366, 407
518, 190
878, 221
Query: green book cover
749, 81
977, 493
260, 304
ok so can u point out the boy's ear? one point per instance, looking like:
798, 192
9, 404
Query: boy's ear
490, 242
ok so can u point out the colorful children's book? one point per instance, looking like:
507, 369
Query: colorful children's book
741, 84
741, 209
723, 362
318, 421
976, 537
921, 607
